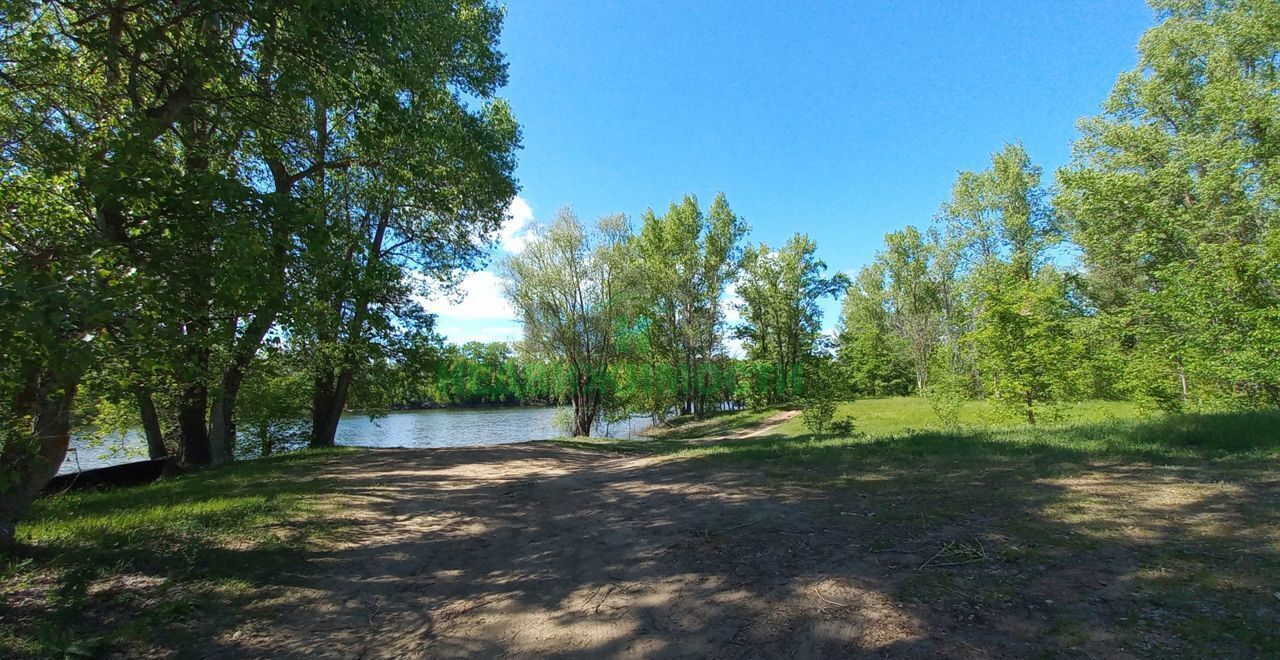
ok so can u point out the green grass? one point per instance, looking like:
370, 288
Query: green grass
1191, 439
163, 564
904, 429
907, 414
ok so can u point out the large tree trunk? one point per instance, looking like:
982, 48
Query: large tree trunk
28, 463
327, 406
222, 423
322, 397
191, 372
193, 435
584, 415
151, 425
584, 407
330, 398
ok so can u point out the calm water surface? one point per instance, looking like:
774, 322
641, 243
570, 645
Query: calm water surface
455, 427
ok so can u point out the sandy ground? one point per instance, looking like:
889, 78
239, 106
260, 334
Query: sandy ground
535, 551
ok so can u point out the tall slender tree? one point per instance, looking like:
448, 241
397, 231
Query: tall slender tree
688, 260
914, 298
1020, 331
873, 359
781, 319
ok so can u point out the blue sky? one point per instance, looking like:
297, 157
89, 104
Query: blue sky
843, 120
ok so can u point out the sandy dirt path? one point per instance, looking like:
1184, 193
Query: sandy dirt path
541, 551
768, 425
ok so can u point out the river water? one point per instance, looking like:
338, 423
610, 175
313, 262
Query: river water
451, 427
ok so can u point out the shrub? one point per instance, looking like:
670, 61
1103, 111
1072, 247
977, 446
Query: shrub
818, 412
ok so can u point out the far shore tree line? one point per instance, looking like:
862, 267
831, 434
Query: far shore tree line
220, 219
636, 316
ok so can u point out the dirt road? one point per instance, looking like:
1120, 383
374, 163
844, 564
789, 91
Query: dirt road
535, 550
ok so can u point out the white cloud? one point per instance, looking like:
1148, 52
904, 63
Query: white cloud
479, 297
461, 332
517, 228
477, 309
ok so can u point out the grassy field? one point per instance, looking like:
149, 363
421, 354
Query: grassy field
1170, 523
896, 415
179, 556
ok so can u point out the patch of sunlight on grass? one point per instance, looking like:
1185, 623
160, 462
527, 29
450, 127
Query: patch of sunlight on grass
893, 415
60, 528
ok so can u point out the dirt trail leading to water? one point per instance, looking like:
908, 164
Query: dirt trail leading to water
537, 550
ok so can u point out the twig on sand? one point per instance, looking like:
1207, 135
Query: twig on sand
944, 637
935, 556
745, 524
827, 600
449, 615
741, 629
604, 598
706, 532
979, 554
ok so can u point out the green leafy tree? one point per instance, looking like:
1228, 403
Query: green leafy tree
781, 320
1025, 342
688, 258
427, 154
1021, 315
187, 151
274, 407
913, 297
874, 359
1172, 196
821, 395
56, 295
570, 288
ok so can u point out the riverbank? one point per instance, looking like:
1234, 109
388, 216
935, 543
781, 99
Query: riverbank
1116, 537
